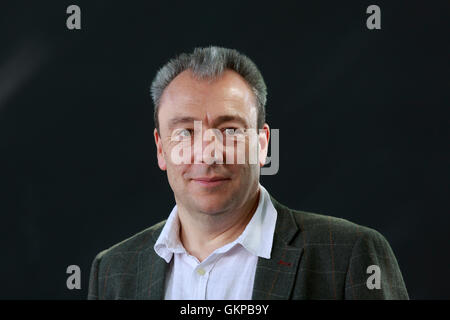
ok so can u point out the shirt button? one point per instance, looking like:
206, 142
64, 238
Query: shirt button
200, 271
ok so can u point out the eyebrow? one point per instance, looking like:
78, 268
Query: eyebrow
229, 118
219, 120
181, 120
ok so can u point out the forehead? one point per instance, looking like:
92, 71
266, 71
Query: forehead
205, 99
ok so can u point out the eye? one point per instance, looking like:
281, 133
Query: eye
229, 131
233, 132
185, 133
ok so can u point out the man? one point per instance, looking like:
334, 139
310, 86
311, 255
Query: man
226, 237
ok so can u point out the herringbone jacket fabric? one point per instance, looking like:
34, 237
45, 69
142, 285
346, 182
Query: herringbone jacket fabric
313, 257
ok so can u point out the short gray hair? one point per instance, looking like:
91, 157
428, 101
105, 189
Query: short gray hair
210, 63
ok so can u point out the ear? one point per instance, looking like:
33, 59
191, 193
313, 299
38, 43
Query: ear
263, 139
159, 151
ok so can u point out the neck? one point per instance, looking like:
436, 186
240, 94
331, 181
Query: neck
200, 237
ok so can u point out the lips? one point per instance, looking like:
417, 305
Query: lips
210, 181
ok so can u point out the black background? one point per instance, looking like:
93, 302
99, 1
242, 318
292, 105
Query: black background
367, 112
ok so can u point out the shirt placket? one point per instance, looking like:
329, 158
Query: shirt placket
201, 274
199, 277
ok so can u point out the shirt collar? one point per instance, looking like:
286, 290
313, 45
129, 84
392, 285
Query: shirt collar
257, 236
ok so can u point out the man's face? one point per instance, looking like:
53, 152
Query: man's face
224, 104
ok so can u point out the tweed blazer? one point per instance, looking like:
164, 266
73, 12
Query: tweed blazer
313, 257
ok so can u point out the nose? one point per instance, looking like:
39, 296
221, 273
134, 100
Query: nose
208, 147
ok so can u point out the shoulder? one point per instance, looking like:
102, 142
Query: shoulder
324, 236
337, 256
142, 240
326, 229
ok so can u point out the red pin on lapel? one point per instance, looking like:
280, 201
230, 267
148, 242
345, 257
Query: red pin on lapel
284, 263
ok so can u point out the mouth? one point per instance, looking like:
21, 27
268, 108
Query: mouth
210, 181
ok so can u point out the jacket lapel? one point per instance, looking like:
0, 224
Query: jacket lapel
275, 277
151, 272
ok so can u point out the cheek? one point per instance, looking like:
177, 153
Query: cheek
243, 174
179, 153
173, 170
175, 174
174, 179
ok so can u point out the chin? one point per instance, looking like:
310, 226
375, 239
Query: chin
211, 205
